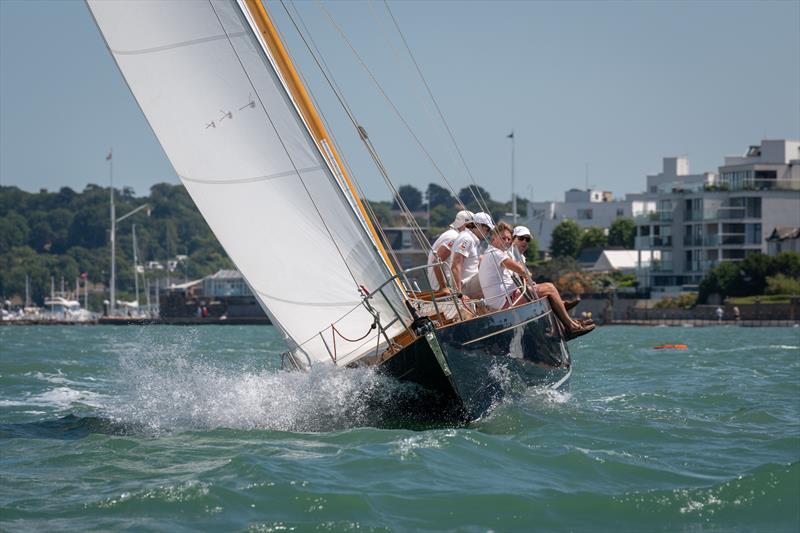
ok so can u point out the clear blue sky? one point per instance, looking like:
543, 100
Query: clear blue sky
615, 85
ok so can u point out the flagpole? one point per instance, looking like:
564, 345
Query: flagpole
113, 285
513, 187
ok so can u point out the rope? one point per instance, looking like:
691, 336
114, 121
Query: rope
324, 67
482, 202
362, 133
392, 106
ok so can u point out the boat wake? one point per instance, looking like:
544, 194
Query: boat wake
178, 393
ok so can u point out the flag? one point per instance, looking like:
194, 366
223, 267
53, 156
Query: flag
108, 157
84, 275
509, 136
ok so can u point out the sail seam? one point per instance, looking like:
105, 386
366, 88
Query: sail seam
283, 145
177, 45
255, 179
309, 304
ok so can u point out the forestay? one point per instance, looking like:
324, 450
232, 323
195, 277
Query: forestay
236, 140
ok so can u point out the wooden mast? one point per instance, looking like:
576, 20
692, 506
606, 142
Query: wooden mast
306, 107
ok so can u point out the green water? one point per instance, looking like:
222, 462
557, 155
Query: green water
185, 429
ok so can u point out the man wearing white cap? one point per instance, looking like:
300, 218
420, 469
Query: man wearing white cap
440, 251
522, 236
466, 256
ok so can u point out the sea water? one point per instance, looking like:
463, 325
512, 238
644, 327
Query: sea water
183, 429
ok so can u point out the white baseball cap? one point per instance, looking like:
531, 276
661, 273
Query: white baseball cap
463, 217
483, 218
522, 231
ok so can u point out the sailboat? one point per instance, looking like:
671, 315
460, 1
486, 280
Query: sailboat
222, 96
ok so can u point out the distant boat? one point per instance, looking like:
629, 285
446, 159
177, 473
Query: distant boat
60, 309
221, 94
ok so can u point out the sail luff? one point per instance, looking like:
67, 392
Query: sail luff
308, 111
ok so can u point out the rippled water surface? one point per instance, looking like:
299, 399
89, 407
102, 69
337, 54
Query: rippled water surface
183, 429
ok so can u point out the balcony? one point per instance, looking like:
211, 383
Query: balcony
725, 213
693, 240
664, 215
661, 266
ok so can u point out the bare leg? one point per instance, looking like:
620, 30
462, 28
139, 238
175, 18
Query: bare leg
549, 290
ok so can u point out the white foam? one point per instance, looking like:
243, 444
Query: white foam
166, 393
60, 398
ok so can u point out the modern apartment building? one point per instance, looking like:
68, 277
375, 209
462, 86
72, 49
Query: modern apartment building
703, 219
589, 208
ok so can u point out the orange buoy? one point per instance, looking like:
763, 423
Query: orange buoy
671, 347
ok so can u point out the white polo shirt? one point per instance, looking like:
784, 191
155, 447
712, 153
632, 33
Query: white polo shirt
445, 239
467, 245
496, 280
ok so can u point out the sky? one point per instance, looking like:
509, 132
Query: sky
595, 92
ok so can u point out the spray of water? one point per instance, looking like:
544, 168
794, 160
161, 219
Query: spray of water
176, 387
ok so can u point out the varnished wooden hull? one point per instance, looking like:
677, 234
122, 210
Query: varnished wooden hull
468, 367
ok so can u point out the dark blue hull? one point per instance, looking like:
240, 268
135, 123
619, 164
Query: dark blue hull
470, 366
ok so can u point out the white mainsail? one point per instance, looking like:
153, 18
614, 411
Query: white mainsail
221, 111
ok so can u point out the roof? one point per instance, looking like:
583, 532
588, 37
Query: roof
623, 260
782, 233
589, 256
225, 274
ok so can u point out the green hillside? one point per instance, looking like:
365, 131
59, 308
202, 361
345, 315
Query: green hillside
66, 233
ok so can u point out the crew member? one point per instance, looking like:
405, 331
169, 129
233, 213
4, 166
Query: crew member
500, 290
466, 256
441, 249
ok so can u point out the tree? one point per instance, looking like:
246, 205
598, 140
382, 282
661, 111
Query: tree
411, 196
566, 239
622, 233
468, 196
14, 231
382, 212
723, 280
754, 270
594, 238
439, 196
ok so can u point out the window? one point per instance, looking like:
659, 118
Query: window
584, 214
620, 212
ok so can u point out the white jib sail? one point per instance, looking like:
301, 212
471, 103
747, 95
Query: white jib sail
238, 144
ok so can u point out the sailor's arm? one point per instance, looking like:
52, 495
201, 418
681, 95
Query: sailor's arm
458, 262
517, 268
442, 253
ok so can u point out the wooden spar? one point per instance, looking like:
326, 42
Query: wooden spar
306, 107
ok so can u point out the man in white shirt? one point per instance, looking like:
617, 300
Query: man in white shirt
466, 256
500, 291
440, 251
496, 268
521, 239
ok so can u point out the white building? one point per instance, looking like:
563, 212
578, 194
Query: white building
589, 208
703, 219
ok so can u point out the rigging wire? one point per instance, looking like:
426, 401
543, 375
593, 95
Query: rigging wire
366, 203
392, 105
423, 241
345, 162
482, 202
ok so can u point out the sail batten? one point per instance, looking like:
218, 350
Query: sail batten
238, 143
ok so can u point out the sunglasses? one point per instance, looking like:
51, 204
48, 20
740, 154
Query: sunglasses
526, 239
